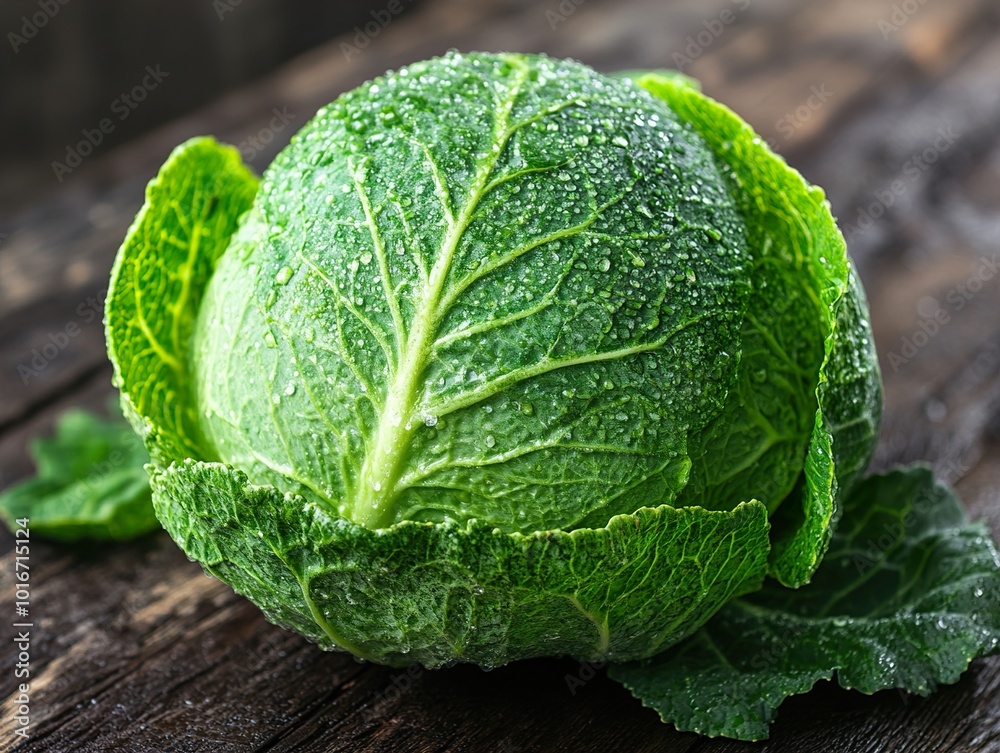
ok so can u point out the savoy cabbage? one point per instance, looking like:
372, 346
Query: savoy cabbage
505, 358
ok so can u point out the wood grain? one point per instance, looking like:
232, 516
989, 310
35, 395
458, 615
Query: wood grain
136, 650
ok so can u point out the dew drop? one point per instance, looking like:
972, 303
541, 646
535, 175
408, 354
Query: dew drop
490, 441
366, 258
269, 340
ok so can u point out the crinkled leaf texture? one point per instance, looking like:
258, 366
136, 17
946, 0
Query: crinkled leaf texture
157, 284
809, 384
565, 304
90, 483
907, 596
423, 393
517, 313
440, 593
430, 592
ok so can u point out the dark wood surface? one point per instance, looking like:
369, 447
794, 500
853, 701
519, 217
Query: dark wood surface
134, 649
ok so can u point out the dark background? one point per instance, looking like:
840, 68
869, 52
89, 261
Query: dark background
62, 77
892, 106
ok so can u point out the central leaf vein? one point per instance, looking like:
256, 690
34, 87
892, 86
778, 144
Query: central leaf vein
383, 463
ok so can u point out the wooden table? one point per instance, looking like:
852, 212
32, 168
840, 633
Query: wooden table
136, 650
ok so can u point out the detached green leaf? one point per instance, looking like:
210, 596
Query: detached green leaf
438, 593
908, 595
157, 285
90, 484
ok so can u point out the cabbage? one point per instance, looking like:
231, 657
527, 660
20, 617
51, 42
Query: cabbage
501, 358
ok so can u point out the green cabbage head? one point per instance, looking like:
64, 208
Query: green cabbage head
500, 358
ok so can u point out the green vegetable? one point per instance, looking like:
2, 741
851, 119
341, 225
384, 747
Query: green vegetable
908, 594
90, 483
435, 593
809, 382
501, 358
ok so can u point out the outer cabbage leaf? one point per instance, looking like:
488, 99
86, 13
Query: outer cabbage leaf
90, 483
441, 593
908, 595
809, 390
157, 284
